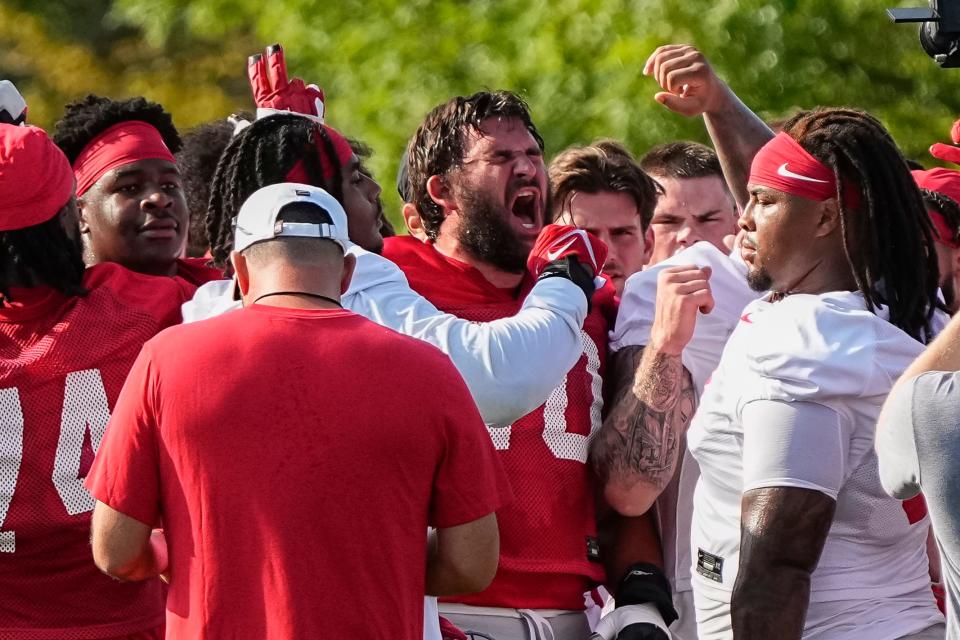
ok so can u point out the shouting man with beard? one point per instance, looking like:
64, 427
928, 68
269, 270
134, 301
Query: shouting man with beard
475, 173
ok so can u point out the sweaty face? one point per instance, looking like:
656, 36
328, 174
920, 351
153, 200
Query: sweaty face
136, 215
779, 229
503, 176
361, 202
691, 210
611, 216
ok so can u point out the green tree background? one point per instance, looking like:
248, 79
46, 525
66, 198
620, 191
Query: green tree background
385, 63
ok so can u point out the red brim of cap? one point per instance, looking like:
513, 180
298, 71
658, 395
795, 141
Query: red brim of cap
946, 152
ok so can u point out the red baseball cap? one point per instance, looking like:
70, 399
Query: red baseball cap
943, 181
946, 182
36, 180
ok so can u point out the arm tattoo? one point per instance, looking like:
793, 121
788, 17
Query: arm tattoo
782, 534
654, 401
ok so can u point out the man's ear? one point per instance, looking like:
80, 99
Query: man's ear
648, 244
439, 191
349, 264
829, 217
414, 222
241, 272
82, 212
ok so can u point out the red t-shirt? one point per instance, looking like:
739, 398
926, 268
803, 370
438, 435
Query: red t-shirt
62, 363
548, 544
311, 469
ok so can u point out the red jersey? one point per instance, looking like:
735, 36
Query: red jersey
313, 469
197, 271
548, 546
62, 363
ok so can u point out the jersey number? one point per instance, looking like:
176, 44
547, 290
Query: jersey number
85, 409
562, 443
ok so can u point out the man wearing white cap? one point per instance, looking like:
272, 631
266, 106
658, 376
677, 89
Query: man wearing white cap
13, 108
285, 478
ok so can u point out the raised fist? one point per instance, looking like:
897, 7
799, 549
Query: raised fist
682, 292
274, 93
690, 86
13, 108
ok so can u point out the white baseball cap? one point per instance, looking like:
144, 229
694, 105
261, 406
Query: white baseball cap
257, 220
13, 108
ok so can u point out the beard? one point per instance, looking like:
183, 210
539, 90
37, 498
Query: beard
486, 235
759, 279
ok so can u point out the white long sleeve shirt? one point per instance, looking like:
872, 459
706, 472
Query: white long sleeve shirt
510, 365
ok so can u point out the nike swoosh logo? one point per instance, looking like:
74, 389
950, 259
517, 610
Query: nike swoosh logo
552, 255
746, 318
786, 173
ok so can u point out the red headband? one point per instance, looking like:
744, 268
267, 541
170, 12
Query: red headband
946, 182
121, 144
340, 146
784, 165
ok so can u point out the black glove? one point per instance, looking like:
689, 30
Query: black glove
644, 607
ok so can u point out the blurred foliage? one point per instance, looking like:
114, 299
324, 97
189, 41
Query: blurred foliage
385, 63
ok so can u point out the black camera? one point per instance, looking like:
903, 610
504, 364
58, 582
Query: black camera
939, 29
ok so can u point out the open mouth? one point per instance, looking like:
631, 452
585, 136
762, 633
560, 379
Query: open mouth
526, 208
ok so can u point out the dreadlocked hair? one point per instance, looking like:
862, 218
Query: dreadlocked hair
41, 255
261, 155
85, 119
888, 238
197, 160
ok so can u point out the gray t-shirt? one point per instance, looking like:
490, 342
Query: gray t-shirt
918, 444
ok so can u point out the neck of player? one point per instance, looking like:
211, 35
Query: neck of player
499, 278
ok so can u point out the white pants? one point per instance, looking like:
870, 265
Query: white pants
497, 623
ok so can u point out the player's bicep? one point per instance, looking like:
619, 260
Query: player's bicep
794, 444
118, 540
783, 527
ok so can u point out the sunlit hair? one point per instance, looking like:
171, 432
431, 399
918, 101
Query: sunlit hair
605, 165
440, 142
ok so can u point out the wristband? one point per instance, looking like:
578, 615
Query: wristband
570, 268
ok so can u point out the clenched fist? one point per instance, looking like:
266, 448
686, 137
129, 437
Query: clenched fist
682, 292
690, 86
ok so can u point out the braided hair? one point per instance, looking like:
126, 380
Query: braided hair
888, 238
261, 155
43, 254
87, 118
946, 207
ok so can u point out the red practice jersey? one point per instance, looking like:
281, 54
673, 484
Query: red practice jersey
548, 544
62, 363
197, 271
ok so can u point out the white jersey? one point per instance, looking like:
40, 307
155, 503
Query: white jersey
700, 357
830, 354
510, 365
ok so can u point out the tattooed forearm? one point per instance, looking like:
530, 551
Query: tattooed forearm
636, 451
